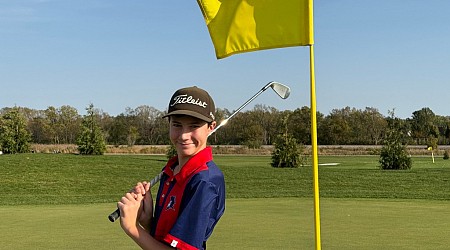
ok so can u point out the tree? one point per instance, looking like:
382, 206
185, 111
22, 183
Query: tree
69, 123
375, 124
243, 130
90, 140
366, 126
118, 130
51, 115
14, 136
266, 118
443, 124
423, 125
145, 123
393, 155
300, 124
286, 153
339, 127
133, 135
447, 133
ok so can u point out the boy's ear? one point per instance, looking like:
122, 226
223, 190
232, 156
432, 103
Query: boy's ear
212, 125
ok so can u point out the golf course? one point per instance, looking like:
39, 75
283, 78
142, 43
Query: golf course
61, 201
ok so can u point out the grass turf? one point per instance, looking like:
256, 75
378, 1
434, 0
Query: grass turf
261, 223
73, 179
54, 201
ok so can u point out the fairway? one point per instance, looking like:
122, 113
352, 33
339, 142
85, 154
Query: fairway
52, 201
264, 223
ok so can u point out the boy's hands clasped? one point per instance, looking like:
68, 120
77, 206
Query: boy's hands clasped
136, 208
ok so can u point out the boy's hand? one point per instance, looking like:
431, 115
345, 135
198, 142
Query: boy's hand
129, 206
146, 210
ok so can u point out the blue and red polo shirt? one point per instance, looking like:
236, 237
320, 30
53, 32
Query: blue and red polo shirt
189, 204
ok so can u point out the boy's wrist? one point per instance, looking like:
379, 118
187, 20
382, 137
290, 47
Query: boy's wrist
133, 232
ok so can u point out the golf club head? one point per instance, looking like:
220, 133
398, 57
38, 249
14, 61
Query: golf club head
282, 90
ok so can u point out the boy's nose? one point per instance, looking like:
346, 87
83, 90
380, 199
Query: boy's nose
185, 134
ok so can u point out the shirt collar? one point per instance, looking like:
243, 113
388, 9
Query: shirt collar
193, 164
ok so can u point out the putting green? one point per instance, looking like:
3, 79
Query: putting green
275, 223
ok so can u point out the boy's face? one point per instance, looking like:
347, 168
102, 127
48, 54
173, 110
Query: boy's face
189, 134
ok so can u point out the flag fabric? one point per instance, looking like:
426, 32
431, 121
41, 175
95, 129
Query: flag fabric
238, 26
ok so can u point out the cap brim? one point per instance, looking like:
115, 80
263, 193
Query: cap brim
189, 113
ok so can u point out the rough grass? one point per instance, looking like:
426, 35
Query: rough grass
73, 179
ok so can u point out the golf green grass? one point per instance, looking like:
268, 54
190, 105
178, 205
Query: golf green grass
262, 223
57, 201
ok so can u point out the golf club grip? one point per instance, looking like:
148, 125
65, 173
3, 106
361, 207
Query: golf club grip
116, 214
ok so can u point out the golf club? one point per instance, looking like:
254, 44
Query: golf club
282, 90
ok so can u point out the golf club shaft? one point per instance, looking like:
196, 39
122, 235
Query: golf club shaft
241, 107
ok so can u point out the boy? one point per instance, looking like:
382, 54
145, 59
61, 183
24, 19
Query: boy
191, 195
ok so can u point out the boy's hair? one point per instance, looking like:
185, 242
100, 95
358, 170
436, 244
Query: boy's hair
170, 116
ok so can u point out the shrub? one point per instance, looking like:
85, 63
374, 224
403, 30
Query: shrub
446, 156
393, 155
91, 140
286, 153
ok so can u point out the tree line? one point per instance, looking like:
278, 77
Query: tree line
259, 126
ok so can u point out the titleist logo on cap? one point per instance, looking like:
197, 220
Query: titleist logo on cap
182, 99
192, 101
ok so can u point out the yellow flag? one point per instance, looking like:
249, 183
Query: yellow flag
238, 26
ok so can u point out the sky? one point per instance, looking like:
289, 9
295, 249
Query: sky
385, 54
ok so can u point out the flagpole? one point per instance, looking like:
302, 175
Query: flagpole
315, 158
